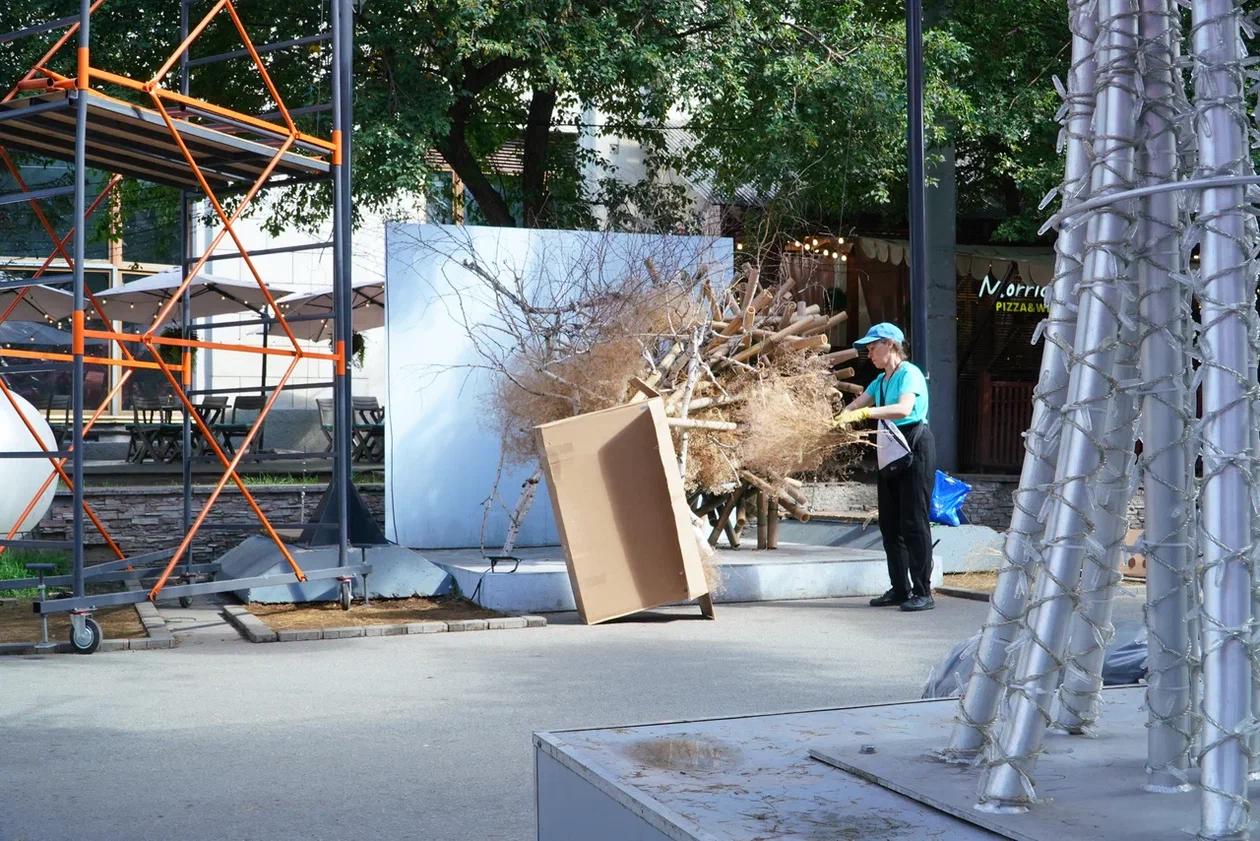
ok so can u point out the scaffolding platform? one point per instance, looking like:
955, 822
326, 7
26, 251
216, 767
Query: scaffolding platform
135, 142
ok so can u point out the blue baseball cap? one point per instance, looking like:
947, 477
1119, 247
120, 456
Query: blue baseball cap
883, 330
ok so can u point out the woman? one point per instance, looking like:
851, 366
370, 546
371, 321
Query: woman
899, 394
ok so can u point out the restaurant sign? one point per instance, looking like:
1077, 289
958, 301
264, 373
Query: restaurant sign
1014, 297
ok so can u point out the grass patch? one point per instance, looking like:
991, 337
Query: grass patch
13, 565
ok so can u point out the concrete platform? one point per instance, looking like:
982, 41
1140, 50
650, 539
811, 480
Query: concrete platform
793, 571
965, 548
397, 572
734, 779
749, 778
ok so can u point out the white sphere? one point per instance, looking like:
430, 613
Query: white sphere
23, 476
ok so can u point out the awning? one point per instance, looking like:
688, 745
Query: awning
1034, 264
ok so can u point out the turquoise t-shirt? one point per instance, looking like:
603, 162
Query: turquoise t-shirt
907, 377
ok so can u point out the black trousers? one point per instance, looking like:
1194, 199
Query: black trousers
904, 502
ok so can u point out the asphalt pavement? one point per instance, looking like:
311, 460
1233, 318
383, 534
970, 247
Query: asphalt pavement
425, 738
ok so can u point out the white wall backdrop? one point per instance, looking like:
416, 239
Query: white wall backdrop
443, 449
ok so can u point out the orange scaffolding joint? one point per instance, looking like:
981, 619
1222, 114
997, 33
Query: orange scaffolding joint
336, 150
186, 374
341, 357
76, 333
84, 71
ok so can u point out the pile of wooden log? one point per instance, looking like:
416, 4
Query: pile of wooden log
755, 340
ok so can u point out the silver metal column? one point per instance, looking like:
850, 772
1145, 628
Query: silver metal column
1091, 622
1008, 780
1167, 414
1227, 288
1021, 550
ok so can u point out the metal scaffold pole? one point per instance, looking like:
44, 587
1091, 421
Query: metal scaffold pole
78, 320
342, 26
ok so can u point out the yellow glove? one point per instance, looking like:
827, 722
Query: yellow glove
850, 417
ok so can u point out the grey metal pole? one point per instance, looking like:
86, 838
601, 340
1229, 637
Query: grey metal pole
1008, 780
343, 419
918, 203
1021, 550
185, 232
1163, 317
1227, 288
80, 223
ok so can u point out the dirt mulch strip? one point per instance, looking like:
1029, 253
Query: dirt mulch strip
19, 624
297, 617
983, 582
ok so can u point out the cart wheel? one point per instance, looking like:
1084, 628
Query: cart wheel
89, 640
345, 595
185, 601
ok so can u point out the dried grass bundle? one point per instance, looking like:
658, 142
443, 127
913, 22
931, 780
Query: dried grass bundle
787, 414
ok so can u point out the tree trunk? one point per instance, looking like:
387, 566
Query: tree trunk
537, 143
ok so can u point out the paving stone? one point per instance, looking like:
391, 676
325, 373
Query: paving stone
114, 645
374, 631
535, 621
294, 636
466, 625
342, 633
505, 622
393, 630
425, 627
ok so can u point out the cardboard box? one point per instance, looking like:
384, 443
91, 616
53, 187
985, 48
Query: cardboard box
621, 511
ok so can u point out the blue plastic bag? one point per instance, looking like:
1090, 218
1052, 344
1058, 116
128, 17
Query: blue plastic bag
948, 495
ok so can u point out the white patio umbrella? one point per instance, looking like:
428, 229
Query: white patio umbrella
315, 311
40, 303
138, 301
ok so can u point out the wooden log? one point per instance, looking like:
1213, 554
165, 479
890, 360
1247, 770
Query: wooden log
850, 388
780, 494
732, 537
772, 524
825, 325
845, 373
763, 516
818, 342
699, 403
790, 330
796, 493
763, 300
751, 276
724, 519
692, 423
839, 356
664, 365
784, 292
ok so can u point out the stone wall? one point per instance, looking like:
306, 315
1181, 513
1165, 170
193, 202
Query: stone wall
142, 519
989, 503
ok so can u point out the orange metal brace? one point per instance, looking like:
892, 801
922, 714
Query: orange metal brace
230, 473
58, 468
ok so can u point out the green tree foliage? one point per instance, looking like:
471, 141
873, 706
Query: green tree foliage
799, 100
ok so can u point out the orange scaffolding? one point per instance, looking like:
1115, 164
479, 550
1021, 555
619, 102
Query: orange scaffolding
203, 149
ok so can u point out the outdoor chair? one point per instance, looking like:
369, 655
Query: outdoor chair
326, 420
238, 427
212, 411
153, 432
369, 429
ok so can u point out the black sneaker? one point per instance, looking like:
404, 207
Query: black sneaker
887, 600
918, 603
